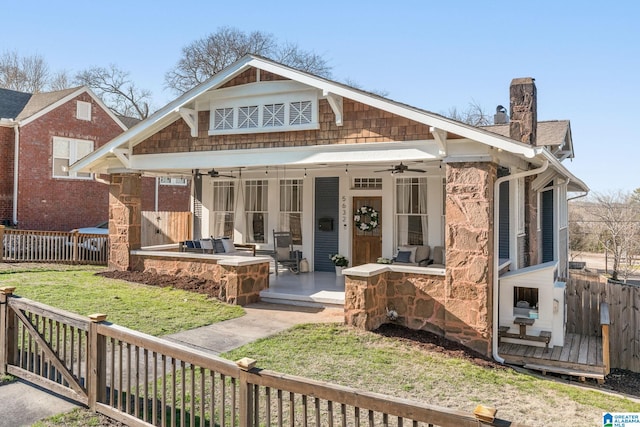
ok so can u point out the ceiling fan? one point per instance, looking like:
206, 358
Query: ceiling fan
213, 174
401, 168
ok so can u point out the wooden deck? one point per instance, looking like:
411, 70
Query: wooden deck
581, 354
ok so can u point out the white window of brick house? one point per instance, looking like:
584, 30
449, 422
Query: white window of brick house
67, 151
167, 180
291, 208
256, 206
83, 110
223, 209
411, 211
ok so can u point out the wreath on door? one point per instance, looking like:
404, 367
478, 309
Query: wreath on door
366, 218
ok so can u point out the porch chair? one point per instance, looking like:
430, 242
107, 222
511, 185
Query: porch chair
283, 252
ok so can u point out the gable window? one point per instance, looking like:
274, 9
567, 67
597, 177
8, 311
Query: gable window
256, 207
265, 113
67, 151
83, 110
411, 211
291, 208
223, 209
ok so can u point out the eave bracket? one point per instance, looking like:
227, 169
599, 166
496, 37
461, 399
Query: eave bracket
441, 138
191, 119
335, 101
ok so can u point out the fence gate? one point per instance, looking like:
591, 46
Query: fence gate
44, 347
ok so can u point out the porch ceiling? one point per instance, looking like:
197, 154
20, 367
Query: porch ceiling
375, 154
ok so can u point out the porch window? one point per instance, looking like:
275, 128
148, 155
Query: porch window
223, 199
291, 208
67, 151
520, 193
411, 211
256, 208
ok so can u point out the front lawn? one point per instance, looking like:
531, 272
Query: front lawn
372, 362
149, 309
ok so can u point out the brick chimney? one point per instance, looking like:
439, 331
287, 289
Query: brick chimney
524, 106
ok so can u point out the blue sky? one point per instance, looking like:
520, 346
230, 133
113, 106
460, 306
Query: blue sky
585, 56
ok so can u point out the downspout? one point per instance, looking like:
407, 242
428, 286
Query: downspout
496, 260
16, 153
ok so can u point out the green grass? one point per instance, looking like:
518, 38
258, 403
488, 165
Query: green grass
368, 361
149, 309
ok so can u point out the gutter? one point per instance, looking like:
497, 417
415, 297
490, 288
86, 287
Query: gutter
16, 162
496, 260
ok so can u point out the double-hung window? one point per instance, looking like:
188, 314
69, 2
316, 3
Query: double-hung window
223, 209
291, 208
256, 207
67, 151
411, 211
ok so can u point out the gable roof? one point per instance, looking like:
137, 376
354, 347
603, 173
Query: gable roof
171, 112
12, 103
129, 122
555, 134
40, 101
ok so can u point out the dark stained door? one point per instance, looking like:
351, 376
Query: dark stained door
367, 245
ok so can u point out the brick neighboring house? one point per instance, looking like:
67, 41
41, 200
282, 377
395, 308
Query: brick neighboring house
274, 148
51, 131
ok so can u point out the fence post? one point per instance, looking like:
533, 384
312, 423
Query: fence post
97, 372
8, 334
246, 392
1, 242
74, 257
604, 322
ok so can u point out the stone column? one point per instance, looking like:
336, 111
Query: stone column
365, 301
125, 219
469, 254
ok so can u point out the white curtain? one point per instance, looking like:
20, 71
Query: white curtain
403, 208
422, 192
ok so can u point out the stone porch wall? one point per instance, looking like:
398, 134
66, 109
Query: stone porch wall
418, 298
239, 284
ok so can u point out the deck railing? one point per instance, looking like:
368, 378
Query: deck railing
53, 246
143, 380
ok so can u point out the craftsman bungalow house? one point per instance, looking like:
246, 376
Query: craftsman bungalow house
41, 134
346, 171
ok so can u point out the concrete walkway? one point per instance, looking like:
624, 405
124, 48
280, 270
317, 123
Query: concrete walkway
22, 404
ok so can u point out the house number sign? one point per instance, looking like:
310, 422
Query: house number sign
344, 210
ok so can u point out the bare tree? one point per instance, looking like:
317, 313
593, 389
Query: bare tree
473, 115
60, 80
618, 224
23, 73
117, 90
206, 57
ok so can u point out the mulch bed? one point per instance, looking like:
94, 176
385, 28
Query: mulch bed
618, 380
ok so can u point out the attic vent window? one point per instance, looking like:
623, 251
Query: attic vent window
83, 110
273, 115
223, 118
269, 113
300, 113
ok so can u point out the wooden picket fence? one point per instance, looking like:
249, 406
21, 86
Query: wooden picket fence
142, 380
53, 246
586, 293
161, 228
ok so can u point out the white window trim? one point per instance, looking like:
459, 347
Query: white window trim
397, 215
83, 110
73, 157
520, 207
260, 102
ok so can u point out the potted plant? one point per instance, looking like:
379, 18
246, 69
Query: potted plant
339, 261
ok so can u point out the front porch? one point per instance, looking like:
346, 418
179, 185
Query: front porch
318, 288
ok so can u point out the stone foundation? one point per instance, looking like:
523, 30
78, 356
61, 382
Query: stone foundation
241, 278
